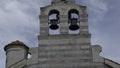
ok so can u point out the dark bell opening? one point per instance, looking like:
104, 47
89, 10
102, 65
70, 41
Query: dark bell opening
63, 0
73, 24
54, 27
54, 24
74, 27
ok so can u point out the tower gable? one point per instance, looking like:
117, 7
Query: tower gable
55, 2
63, 17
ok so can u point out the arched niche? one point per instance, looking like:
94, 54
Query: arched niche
73, 12
73, 21
54, 22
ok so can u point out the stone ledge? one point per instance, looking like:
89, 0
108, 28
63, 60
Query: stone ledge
67, 59
70, 65
111, 63
64, 48
63, 36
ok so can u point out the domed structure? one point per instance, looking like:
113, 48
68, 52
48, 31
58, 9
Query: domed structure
16, 43
16, 51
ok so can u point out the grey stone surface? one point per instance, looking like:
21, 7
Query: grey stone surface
63, 50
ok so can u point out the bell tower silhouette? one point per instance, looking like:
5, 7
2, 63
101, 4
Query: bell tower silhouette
64, 38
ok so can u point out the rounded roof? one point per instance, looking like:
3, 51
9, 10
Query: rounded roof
15, 43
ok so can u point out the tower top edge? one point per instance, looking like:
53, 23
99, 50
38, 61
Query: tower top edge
15, 43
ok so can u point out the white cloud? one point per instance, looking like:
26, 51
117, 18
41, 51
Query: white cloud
97, 5
96, 9
19, 20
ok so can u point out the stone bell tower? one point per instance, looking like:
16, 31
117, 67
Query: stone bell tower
63, 17
64, 41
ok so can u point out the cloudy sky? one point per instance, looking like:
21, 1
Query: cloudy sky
19, 20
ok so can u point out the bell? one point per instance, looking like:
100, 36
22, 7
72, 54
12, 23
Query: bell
53, 24
73, 24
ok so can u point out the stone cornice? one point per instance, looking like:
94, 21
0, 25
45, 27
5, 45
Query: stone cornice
14, 44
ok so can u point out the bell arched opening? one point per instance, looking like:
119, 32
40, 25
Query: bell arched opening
54, 27
53, 24
73, 24
63, 0
73, 21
